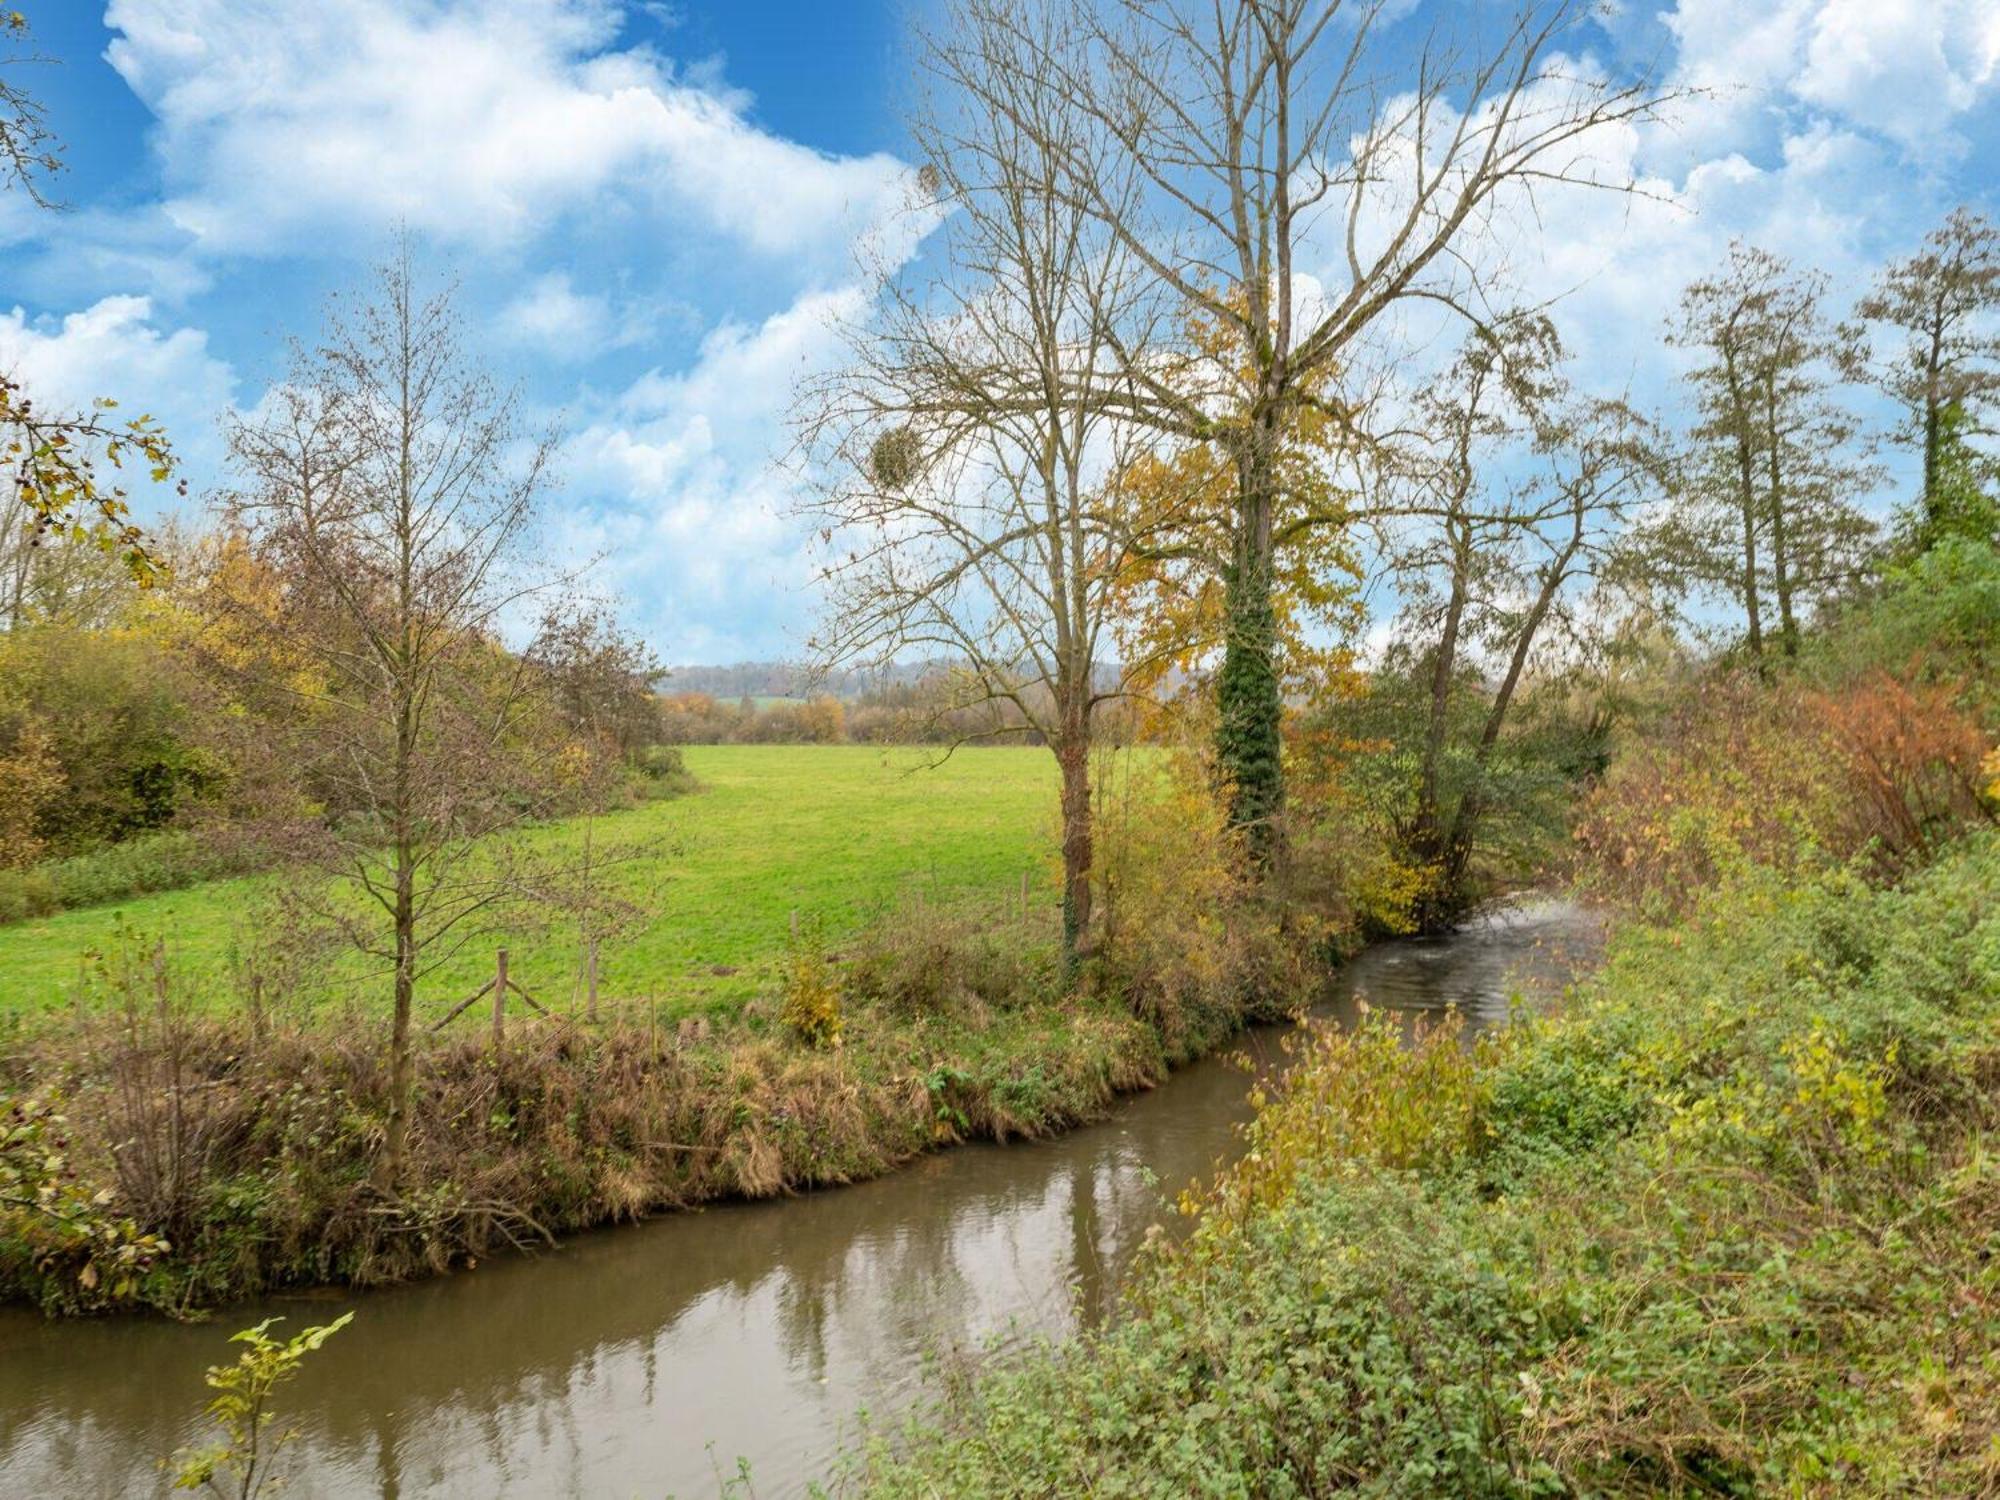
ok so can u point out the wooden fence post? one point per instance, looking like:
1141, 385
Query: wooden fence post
500, 999
1024, 895
795, 925
590, 982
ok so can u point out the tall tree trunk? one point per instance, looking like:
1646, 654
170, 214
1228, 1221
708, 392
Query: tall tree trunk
1933, 416
1426, 841
1444, 663
1473, 806
395, 1136
1746, 497
1073, 755
1933, 433
1781, 578
1748, 501
1249, 736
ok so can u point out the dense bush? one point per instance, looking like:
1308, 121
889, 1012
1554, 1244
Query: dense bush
155, 862
1189, 936
1725, 1226
922, 961
118, 717
1872, 746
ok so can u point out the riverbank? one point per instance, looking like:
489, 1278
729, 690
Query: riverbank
1725, 1225
649, 1358
160, 1155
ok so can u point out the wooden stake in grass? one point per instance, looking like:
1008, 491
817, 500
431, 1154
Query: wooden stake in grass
500, 1000
590, 982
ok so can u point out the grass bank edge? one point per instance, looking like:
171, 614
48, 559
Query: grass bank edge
176, 1160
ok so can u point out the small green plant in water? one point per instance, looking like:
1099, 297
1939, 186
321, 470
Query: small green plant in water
244, 1463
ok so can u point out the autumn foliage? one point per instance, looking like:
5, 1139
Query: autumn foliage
1880, 769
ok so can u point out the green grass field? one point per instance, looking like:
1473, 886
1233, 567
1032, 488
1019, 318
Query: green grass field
838, 832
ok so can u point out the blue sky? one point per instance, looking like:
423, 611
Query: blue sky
655, 208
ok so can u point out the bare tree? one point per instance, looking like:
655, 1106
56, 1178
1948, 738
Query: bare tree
971, 444
389, 489
1944, 303
1275, 140
1512, 499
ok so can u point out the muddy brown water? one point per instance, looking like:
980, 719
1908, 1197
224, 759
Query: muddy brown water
645, 1361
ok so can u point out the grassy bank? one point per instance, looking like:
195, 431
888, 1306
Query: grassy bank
840, 832
1729, 1224
164, 1150
180, 1161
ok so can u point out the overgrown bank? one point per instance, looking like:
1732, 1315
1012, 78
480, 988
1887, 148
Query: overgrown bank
1727, 1225
163, 1152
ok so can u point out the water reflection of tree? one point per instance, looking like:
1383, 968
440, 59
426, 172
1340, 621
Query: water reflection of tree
1087, 1271
439, 1380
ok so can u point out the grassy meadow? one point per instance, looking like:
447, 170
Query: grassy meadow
839, 832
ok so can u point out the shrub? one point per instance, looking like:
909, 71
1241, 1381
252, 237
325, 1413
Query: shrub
1724, 1225
920, 960
168, 861
662, 772
811, 1007
1186, 937
30, 779
1783, 776
60, 1238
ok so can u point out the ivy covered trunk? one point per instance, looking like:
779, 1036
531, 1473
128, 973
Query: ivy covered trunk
1250, 704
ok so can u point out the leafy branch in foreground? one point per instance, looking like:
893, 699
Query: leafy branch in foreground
244, 1463
52, 457
59, 491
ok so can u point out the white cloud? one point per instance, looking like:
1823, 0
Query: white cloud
579, 174
1904, 69
115, 349
553, 318
284, 122
1907, 68
689, 489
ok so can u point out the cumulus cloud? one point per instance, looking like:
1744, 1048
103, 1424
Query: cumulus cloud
474, 121
1908, 70
578, 176
691, 486
116, 349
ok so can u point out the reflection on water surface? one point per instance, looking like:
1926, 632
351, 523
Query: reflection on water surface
643, 1361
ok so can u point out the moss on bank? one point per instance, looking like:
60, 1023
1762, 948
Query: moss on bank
1728, 1225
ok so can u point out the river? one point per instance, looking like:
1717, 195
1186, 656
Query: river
646, 1360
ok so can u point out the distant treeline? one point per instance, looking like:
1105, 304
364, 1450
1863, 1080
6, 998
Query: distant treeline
931, 710
791, 679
